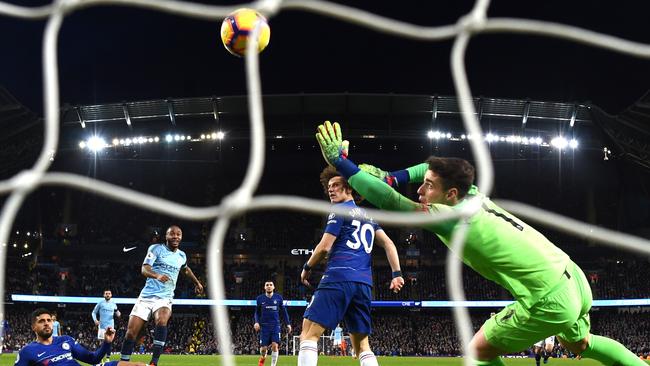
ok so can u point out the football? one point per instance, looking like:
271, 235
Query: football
237, 27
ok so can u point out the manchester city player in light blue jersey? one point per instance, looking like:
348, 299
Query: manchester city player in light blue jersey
338, 341
161, 266
267, 321
56, 326
48, 350
104, 314
344, 292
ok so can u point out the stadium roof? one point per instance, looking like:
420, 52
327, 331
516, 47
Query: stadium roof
395, 105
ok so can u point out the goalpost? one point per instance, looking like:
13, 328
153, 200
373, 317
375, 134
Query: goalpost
325, 345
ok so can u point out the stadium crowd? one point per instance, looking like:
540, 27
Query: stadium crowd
399, 332
395, 333
615, 279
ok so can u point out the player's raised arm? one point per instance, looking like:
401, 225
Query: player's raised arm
371, 188
80, 353
375, 190
378, 193
393, 259
397, 178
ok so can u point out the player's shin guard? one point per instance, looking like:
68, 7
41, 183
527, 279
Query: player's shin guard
610, 352
308, 355
493, 362
537, 358
159, 338
274, 357
368, 359
127, 349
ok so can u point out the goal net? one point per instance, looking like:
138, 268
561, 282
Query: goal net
243, 199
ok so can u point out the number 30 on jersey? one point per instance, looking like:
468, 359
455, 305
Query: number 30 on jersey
363, 239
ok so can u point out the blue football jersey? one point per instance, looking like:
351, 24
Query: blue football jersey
269, 309
350, 256
56, 328
63, 351
163, 261
106, 311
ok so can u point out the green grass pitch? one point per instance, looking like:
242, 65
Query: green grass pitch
188, 360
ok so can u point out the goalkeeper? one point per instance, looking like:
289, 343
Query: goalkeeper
552, 294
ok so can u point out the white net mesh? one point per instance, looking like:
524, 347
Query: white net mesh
242, 199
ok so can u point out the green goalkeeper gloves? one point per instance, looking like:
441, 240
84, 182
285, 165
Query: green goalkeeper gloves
374, 171
331, 142
381, 174
335, 149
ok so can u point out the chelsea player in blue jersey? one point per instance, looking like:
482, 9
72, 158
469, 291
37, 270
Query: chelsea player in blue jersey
49, 350
267, 321
161, 266
344, 292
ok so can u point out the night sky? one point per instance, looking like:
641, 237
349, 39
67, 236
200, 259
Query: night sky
113, 54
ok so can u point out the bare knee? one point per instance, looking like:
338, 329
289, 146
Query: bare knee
304, 332
311, 331
132, 332
162, 316
362, 341
549, 348
575, 347
483, 350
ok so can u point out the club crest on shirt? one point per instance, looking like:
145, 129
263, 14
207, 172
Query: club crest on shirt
65, 346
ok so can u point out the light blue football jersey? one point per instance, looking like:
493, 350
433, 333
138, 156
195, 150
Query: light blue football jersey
163, 261
338, 333
56, 328
106, 311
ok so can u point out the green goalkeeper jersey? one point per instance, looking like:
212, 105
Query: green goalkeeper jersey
499, 246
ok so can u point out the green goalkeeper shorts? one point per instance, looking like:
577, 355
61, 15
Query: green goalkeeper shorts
563, 312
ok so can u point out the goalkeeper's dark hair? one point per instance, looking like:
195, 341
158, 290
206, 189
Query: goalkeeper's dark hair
330, 172
454, 173
40, 311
